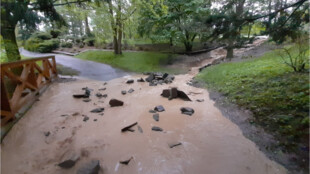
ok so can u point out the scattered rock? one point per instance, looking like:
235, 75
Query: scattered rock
187, 111
99, 95
183, 96
156, 117
75, 113
87, 100
150, 78
126, 162
115, 102
140, 129
105, 83
155, 128
105, 95
174, 145
63, 127
127, 128
95, 119
140, 80
102, 89
85, 95
101, 114
92, 167
70, 162
166, 93
64, 115
97, 110
47, 133
131, 90
159, 108
200, 100
130, 81
85, 118
124, 92
152, 111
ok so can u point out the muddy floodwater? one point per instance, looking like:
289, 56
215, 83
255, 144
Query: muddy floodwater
211, 144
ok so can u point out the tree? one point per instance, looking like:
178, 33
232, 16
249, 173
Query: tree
14, 11
179, 20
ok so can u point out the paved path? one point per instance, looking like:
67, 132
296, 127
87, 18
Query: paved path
87, 69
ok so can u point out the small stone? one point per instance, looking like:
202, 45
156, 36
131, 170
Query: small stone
126, 162
75, 113
152, 111
131, 90
92, 167
105, 95
95, 119
85, 118
99, 95
115, 102
159, 108
140, 129
156, 117
80, 96
124, 92
63, 127
101, 114
102, 89
174, 145
140, 80
128, 128
200, 100
155, 128
87, 100
97, 110
150, 78
68, 163
105, 83
64, 115
47, 133
130, 81
187, 110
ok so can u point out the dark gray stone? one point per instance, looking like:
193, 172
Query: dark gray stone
156, 117
200, 100
166, 93
68, 163
97, 110
124, 92
131, 90
47, 133
140, 80
150, 78
87, 100
130, 81
92, 167
105, 95
159, 108
152, 111
187, 110
140, 129
155, 128
115, 102
95, 119
99, 95
85, 118
102, 89
183, 96
80, 96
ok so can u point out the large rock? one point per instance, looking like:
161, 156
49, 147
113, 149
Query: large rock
115, 102
159, 108
175, 93
70, 162
166, 93
187, 111
92, 167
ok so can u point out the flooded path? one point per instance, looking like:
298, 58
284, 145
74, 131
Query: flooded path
87, 69
210, 142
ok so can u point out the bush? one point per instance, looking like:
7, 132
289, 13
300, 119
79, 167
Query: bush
48, 46
66, 45
55, 33
90, 41
41, 35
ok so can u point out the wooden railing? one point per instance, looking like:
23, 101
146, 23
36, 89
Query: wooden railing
21, 81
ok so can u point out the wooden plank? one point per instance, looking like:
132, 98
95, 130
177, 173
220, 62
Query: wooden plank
22, 62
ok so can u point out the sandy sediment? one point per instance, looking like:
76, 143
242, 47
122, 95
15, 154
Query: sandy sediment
210, 142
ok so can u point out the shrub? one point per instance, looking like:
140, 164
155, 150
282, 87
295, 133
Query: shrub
42, 35
66, 45
90, 41
48, 46
55, 33
32, 44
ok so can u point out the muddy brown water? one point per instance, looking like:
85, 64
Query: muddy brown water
210, 142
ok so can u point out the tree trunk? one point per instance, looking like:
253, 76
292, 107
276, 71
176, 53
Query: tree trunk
188, 46
119, 31
87, 29
10, 44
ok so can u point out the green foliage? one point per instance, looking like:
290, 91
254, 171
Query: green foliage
278, 97
42, 35
42, 46
132, 61
90, 41
66, 45
55, 33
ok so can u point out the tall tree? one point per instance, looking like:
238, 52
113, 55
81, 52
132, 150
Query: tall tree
14, 11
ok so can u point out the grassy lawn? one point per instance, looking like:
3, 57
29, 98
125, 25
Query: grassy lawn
132, 61
277, 96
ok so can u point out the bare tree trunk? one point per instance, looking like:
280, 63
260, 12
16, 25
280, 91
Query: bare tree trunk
10, 44
119, 28
87, 29
230, 50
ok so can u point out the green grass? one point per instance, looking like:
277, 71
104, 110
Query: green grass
132, 61
277, 96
